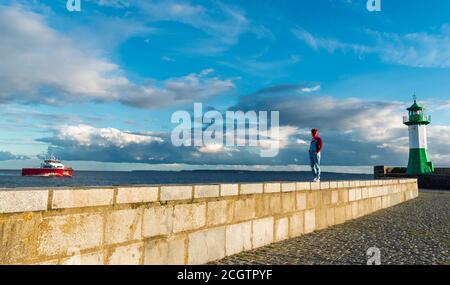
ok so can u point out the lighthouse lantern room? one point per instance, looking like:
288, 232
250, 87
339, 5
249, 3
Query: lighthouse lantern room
417, 121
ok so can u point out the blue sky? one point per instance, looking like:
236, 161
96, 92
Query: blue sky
98, 87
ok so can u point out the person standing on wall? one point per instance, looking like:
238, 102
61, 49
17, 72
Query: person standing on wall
314, 154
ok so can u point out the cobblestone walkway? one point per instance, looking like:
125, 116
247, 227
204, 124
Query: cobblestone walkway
415, 232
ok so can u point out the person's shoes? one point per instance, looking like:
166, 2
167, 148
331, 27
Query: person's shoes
316, 180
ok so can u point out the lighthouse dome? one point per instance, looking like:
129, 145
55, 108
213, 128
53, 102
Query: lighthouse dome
415, 107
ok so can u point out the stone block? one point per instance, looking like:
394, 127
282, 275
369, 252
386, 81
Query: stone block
311, 202
362, 208
333, 184
267, 205
315, 186
262, 205
409, 195
173, 193
303, 186
272, 187
296, 225
123, 226
206, 191
343, 196
365, 193
281, 229
17, 237
229, 190
348, 212
355, 210
244, 209
324, 185
126, 255
334, 197
320, 198
219, 212
301, 201
207, 245
288, 202
326, 197
78, 198
170, 251
157, 220
255, 188
262, 231
238, 238
310, 220
351, 194
330, 216
288, 187
127, 195
14, 201
57, 234
358, 194
189, 217
321, 218
385, 202
275, 204
340, 215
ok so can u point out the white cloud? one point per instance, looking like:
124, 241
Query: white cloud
178, 90
426, 50
310, 89
439, 144
416, 49
41, 65
216, 148
225, 23
44, 66
85, 135
330, 45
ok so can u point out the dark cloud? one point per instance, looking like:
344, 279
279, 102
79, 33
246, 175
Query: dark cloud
355, 132
6, 155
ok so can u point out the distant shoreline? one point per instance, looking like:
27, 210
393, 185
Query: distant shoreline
209, 170
13, 178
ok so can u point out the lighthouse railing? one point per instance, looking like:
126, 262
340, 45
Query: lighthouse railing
417, 118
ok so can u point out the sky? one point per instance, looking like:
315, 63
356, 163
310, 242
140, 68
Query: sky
97, 87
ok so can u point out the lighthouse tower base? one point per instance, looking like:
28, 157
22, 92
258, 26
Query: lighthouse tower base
418, 162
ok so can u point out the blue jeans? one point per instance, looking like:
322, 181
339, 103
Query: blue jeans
314, 158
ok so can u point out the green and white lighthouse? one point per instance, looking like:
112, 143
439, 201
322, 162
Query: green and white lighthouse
418, 163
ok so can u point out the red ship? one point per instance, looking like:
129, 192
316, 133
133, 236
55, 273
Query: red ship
50, 167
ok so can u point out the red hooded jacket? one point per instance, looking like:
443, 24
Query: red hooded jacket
319, 142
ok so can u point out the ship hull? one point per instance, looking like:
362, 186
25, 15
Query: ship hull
46, 172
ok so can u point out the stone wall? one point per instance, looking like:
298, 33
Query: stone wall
439, 180
183, 224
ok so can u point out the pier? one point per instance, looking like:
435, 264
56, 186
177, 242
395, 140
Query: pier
179, 224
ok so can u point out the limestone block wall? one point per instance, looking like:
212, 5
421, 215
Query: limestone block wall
177, 224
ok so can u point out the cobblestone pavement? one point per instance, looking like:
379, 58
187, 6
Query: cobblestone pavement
415, 232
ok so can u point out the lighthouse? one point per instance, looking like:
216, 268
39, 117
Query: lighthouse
418, 163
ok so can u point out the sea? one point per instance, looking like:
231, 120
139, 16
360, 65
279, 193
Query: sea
13, 178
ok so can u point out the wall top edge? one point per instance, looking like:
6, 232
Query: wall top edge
108, 187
